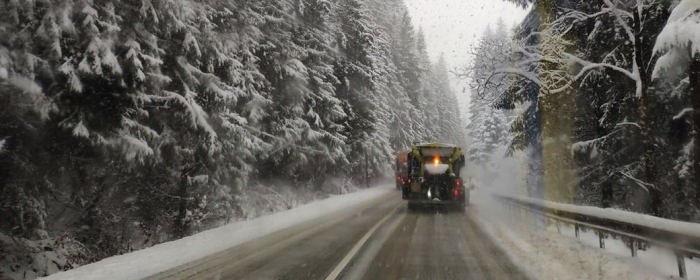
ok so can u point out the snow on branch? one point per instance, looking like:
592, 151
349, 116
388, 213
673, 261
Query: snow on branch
682, 114
81, 131
640, 183
210, 82
29, 92
198, 117
132, 147
679, 41
587, 66
586, 145
526, 59
522, 73
618, 16
572, 17
628, 123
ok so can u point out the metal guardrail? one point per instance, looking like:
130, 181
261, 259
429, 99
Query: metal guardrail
635, 236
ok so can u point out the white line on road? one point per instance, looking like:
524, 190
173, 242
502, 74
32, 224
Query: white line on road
339, 268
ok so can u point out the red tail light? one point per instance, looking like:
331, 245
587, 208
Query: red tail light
409, 180
458, 183
456, 192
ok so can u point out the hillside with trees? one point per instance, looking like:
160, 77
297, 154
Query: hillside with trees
128, 123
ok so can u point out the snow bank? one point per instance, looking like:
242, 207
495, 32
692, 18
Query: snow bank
169, 255
544, 253
265, 198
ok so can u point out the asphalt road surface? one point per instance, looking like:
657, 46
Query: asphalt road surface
380, 239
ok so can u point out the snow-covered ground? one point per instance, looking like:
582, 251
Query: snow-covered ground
169, 255
547, 254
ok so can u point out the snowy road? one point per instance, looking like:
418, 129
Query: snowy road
378, 239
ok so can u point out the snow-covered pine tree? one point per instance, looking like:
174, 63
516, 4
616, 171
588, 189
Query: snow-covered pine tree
488, 127
451, 123
367, 136
324, 111
406, 121
680, 48
406, 57
307, 113
428, 97
288, 85
26, 111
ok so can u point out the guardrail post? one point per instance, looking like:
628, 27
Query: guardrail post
558, 227
633, 247
601, 238
681, 266
576, 230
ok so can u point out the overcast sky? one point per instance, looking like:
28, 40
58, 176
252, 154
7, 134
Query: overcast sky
451, 26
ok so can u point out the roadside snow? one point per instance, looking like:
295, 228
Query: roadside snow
147, 262
544, 253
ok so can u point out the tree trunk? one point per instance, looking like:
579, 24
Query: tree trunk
607, 194
645, 123
694, 77
648, 144
181, 224
557, 113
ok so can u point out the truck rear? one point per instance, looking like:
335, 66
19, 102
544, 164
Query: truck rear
434, 176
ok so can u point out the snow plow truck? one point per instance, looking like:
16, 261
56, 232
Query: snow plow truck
434, 176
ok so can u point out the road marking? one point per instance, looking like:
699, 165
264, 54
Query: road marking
339, 268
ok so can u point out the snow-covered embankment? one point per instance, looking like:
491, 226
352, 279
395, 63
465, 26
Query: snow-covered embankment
545, 253
169, 255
